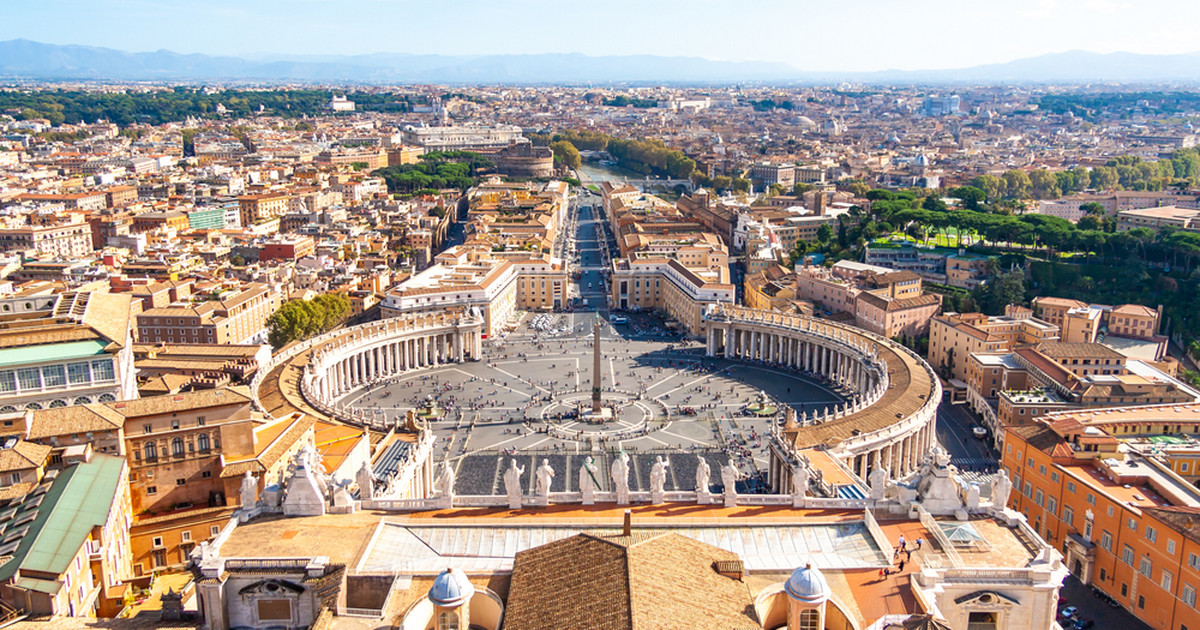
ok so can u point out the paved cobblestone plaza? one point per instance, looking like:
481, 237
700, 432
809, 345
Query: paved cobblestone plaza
667, 399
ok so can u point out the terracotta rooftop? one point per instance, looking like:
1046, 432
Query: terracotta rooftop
618, 582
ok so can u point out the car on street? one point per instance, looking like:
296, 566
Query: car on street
617, 319
978, 431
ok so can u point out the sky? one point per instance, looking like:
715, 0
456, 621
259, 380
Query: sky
837, 35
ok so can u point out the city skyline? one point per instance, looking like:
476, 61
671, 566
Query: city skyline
871, 36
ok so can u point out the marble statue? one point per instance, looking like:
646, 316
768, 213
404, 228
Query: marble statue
658, 478
587, 480
249, 491
366, 482
729, 477
545, 474
1001, 488
703, 471
620, 477
800, 481
973, 497
208, 552
878, 482
305, 493
446, 480
512, 484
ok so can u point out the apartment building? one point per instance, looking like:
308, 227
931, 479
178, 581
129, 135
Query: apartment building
462, 276
464, 137
67, 540
885, 302
254, 209
1125, 522
955, 336
66, 237
667, 285
65, 349
237, 318
766, 174
1083, 322
1187, 219
944, 266
187, 455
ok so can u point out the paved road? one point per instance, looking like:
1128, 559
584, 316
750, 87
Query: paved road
1091, 607
954, 424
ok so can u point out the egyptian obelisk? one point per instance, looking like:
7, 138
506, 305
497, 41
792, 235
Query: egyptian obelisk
596, 366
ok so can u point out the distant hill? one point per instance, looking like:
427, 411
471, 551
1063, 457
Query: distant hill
27, 59
21, 58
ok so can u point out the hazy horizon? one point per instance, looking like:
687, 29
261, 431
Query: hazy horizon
867, 35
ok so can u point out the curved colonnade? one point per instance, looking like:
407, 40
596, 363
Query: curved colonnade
383, 349
894, 394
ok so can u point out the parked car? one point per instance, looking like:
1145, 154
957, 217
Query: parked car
1083, 624
1068, 612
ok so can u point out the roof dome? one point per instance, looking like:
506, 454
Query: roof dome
451, 588
807, 585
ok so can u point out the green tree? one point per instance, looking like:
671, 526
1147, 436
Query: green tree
301, 319
970, 196
1017, 184
824, 233
566, 154
1004, 289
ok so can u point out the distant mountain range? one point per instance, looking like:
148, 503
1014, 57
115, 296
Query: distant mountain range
20, 58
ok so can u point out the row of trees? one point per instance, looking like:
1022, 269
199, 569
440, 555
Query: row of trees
1092, 105
301, 319
1127, 172
436, 170
155, 108
650, 157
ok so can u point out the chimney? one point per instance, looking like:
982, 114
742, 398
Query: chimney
628, 528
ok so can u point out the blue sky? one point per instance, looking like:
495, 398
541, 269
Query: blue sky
836, 35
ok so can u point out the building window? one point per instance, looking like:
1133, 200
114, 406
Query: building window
78, 373
1106, 540
1167, 579
177, 447
151, 489
981, 621
1151, 535
54, 376
274, 610
1071, 487
29, 378
1127, 555
202, 442
447, 620
214, 530
810, 620
1189, 595
1132, 524
103, 370
1147, 568
151, 451
180, 482
1171, 547
146, 428
1068, 516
